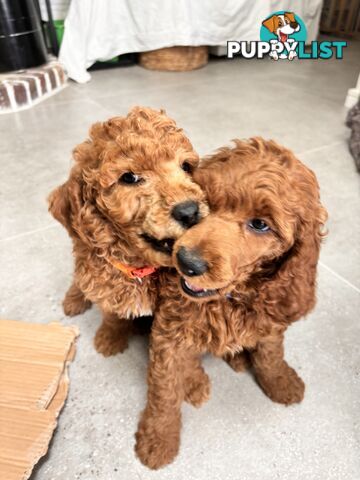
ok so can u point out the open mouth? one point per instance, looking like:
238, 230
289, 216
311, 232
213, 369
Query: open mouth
283, 37
194, 291
164, 246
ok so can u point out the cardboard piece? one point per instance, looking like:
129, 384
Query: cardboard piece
33, 388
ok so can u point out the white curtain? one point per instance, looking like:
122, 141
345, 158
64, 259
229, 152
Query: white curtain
102, 29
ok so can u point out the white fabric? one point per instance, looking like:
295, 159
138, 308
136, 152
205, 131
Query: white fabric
102, 29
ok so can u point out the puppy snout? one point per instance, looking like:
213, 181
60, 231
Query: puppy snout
190, 262
294, 25
186, 213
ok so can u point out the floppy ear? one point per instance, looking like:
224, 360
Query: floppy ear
290, 16
74, 204
297, 273
270, 23
59, 206
65, 202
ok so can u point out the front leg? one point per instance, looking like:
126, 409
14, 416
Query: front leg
158, 435
279, 381
113, 334
196, 382
75, 302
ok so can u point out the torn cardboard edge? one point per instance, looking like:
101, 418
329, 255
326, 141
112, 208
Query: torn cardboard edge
34, 360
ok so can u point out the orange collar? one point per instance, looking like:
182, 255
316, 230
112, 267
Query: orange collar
132, 272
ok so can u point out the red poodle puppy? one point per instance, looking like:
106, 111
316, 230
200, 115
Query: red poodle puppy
129, 196
245, 273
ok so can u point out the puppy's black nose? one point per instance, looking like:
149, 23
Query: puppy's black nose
190, 262
294, 25
186, 213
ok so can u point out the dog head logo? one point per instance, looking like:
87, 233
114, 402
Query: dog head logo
282, 25
283, 30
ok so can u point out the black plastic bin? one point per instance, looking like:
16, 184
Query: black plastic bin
21, 40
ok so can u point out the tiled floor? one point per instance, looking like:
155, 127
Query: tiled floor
240, 433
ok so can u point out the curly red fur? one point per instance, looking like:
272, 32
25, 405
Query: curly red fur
259, 285
107, 218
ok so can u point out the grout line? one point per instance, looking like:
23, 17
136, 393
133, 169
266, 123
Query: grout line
30, 232
340, 277
317, 149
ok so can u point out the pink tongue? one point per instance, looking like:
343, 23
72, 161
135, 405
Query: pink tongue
283, 37
194, 288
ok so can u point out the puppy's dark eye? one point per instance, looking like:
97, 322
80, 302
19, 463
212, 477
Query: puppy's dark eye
187, 167
129, 178
258, 225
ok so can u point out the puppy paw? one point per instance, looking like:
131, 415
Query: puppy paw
238, 362
197, 389
75, 303
292, 55
109, 341
286, 387
156, 449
